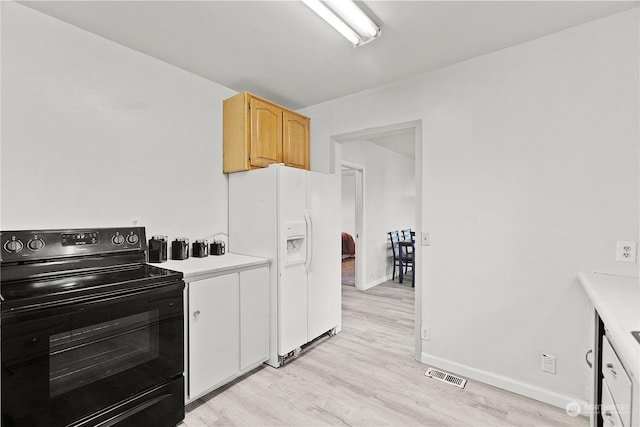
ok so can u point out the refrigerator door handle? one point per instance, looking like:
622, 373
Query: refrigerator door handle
309, 221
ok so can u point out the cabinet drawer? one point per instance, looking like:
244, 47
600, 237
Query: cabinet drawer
608, 410
617, 381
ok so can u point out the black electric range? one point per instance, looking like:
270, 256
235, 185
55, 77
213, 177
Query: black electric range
90, 332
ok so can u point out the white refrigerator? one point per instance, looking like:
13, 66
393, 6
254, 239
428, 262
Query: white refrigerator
291, 216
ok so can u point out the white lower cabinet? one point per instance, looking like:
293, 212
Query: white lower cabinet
254, 317
228, 327
214, 331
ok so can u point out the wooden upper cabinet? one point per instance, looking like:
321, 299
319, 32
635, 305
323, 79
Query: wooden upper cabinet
266, 133
257, 132
296, 140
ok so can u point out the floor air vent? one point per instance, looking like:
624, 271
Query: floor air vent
446, 377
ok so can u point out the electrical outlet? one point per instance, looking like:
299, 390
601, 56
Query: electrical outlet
425, 333
549, 363
626, 251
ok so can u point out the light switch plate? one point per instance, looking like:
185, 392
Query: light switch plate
426, 239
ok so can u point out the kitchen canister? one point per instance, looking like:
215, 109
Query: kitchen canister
217, 248
200, 249
180, 248
158, 249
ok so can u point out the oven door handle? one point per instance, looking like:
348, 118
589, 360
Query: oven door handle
129, 412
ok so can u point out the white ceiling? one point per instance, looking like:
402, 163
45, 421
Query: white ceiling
282, 51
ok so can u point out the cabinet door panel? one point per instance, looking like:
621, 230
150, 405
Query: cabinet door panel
296, 140
616, 380
213, 332
266, 133
254, 317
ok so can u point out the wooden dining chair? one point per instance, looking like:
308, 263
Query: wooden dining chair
407, 234
406, 258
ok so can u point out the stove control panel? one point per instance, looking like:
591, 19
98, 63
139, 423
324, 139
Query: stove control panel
84, 238
26, 245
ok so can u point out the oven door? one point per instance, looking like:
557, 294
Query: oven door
70, 362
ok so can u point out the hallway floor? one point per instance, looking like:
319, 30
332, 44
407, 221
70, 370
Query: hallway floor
349, 271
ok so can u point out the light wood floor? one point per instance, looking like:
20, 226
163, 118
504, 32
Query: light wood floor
366, 376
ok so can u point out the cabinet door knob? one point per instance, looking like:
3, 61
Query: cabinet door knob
613, 371
196, 313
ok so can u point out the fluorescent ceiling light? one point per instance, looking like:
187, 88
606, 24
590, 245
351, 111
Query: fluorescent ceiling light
347, 19
354, 16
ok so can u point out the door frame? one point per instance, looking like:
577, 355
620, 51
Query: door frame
360, 219
420, 261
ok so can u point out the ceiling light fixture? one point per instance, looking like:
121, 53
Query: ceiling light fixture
347, 18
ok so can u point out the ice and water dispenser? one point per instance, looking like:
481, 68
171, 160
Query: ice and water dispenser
296, 236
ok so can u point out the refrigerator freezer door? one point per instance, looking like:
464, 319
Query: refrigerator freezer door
323, 279
253, 230
292, 280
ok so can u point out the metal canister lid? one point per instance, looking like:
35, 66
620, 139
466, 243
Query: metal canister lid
159, 237
182, 239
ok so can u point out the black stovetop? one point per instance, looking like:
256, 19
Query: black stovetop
78, 284
40, 268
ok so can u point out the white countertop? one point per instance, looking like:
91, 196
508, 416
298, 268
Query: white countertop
617, 300
212, 264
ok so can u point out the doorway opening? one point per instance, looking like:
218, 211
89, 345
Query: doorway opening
374, 242
353, 248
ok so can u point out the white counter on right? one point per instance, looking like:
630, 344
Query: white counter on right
616, 361
617, 300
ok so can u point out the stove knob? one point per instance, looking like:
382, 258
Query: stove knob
132, 239
118, 239
35, 244
13, 246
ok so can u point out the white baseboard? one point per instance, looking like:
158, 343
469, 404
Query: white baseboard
547, 396
376, 282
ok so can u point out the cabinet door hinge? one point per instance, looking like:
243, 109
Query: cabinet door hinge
248, 106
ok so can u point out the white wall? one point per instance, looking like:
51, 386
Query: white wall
94, 133
348, 211
530, 166
389, 194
